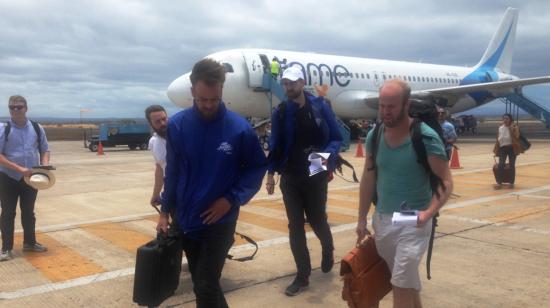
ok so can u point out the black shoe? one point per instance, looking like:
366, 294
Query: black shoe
298, 285
327, 262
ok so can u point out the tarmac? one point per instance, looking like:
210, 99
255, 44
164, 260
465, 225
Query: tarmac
492, 247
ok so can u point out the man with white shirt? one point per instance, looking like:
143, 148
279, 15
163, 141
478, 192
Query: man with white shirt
158, 119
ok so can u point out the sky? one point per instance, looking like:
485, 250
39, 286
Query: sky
114, 58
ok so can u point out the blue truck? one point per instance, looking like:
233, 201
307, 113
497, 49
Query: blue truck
110, 135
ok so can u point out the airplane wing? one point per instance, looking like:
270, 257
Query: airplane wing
497, 89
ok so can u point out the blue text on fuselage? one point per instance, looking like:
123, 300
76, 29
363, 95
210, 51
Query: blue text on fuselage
338, 73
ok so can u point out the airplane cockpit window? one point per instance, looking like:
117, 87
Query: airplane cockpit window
228, 67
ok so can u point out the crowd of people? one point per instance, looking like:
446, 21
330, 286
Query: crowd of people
209, 163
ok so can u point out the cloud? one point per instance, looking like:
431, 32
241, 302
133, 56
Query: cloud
118, 57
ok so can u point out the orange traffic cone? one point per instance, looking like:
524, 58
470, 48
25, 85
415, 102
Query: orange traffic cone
100, 149
454, 163
359, 152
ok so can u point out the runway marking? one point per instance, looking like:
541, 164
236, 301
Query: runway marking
471, 202
49, 287
119, 235
497, 224
60, 262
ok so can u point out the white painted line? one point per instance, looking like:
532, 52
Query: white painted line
50, 287
497, 224
491, 169
467, 203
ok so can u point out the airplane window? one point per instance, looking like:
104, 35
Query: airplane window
368, 76
414, 78
375, 76
431, 79
356, 75
384, 76
362, 76
350, 75
228, 68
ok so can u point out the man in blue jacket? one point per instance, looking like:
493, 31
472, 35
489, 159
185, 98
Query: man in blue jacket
299, 126
214, 165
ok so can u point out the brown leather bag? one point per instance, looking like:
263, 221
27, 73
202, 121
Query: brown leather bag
366, 276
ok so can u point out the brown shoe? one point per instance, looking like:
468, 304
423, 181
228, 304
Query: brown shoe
497, 186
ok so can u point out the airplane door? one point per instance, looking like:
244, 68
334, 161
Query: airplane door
254, 68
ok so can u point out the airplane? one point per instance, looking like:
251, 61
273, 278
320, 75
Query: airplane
352, 84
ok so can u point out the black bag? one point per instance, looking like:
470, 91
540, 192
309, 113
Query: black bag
158, 267
523, 142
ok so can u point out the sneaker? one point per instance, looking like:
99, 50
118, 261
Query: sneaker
298, 285
327, 262
6, 255
36, 247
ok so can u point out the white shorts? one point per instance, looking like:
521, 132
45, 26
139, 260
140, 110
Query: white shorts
402, 248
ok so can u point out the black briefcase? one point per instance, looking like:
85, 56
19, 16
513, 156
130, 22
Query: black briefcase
158, 266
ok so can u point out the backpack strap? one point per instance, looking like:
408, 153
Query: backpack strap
38, 135
7, 129
248, 258
431, 246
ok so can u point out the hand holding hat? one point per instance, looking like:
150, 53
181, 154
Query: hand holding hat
42, 177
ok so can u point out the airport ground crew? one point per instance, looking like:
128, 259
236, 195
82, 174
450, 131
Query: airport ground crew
275, 67
299, 126
215, 164
395, 177
20, 150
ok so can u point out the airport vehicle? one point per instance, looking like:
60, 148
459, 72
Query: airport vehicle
352, 83
111, 135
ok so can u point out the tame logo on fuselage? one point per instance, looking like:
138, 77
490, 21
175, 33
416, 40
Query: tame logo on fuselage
338, 74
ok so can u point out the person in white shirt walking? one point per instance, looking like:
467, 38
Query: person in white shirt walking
158, 119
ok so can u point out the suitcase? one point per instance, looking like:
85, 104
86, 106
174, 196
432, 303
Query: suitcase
366, 276
158, 267
506, 173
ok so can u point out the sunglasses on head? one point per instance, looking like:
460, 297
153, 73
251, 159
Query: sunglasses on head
18, 107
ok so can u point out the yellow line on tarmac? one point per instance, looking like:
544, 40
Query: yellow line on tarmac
119, 235
60, 262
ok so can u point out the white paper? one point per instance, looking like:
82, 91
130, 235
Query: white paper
316, 162
399, 219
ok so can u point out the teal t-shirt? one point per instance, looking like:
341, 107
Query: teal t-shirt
400, 177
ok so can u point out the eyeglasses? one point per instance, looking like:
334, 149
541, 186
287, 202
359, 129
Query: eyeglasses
17, 107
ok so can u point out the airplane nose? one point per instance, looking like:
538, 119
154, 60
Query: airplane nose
179, 91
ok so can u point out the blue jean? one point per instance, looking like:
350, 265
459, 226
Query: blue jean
206, 251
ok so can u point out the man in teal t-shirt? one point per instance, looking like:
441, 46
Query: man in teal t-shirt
399, 177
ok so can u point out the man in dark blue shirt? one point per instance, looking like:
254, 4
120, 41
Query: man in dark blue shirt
215, 164
299, 126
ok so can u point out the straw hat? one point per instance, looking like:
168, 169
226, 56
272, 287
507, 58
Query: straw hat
41, 178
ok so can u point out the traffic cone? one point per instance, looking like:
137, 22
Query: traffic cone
100, 149
454, 163
359, 152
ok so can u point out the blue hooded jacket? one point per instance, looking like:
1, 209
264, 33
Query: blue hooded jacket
325, 120
207, 160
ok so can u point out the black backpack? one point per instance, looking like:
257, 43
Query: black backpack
277, 153
421, 112
7, 129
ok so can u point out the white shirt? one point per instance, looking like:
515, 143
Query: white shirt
157, 146
504, 136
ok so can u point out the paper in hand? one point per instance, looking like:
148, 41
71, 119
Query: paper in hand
401, 219
316, 162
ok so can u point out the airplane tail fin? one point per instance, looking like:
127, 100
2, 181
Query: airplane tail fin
498, 55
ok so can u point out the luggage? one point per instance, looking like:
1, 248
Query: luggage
366, 276
158, 267
506, 173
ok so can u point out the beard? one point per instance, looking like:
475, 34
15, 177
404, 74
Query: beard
395, 121
292, 95
161, 132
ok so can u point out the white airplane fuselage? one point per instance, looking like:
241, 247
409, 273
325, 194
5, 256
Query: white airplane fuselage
352, 84
350, 81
